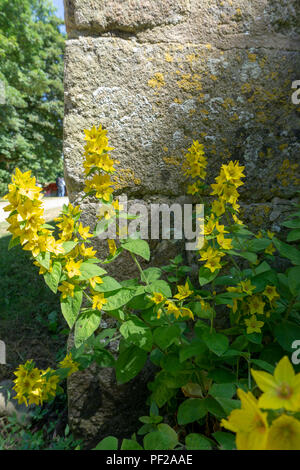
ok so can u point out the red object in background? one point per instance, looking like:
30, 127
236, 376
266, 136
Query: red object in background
50, 189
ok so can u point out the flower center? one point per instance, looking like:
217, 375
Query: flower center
284, 391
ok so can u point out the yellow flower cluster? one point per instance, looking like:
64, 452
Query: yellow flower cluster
34, 386
227, 183
69, 363
281, 395
226, 189
194, 166
250, 304
26, 216
174, 307
98, 164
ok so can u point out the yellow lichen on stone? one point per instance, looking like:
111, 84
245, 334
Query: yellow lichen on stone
168, 58
157, 81
172, 160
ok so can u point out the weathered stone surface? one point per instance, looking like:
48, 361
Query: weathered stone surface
155, 98
99, 407
124, 15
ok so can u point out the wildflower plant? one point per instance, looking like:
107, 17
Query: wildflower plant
215, 339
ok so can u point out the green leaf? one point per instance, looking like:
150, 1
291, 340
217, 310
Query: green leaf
114, 302
152, 274
104, 358
228, 404
222, 390
197, 442
164, 336
13, 242
263, 365
287, 251
137, 247
130, 444
160, 286
196, 348
197, 309
52, 278
294, 280
293, 235
70, 307
206, 276
85, 326
255, 338
225, 439
44, 259
191, 410
216, 342
108, 443
251, 257
294, 223
109, 284
89, 270
286, 333
135, 331
165, 438
129, 363
69, 246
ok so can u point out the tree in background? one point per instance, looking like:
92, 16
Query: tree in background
31, 72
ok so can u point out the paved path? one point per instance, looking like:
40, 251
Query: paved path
52, 207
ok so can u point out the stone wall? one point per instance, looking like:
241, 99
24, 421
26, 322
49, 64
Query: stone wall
160, 73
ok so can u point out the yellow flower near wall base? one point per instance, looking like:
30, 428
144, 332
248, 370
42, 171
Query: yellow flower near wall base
284, 434
249, 423
68, 363
281, 390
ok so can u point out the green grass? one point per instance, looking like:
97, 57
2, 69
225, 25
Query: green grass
31, 323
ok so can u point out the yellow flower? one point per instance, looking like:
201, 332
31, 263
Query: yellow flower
101, 184
225, 243
281, 390
192, 189
95, 280
221, 228
98, 301
66, 289
195, 161
284, 434
247, 287
218, 207
233, 173
73, 268
186, 312
84, 231
158, 298
270, 250
68, 363
183, 292
271, 293
256, 305
87, 252
253, 325
112, 247
249, 423
172, 309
